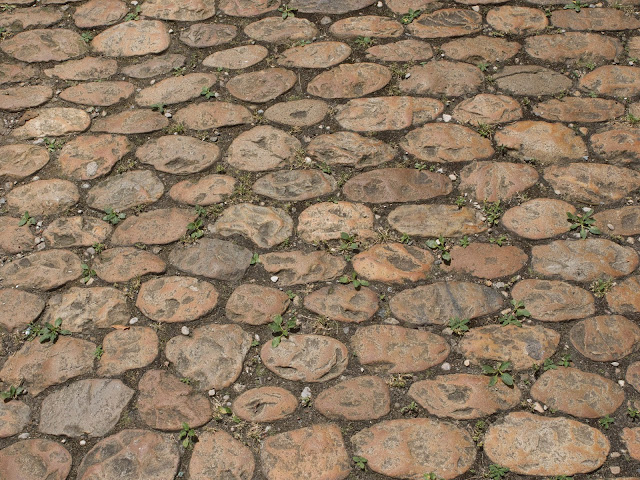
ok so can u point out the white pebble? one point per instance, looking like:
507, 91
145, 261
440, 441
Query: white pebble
446, 117
453, 177
615, 470
467, 363
615, 364
538, 408
379, 5
446, 366
133, 320
83, 443
274, 279
475, 8
185, 330
610, 227
212, 392
621, 383
306, 393
23, 436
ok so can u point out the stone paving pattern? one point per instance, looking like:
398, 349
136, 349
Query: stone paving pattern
177, 175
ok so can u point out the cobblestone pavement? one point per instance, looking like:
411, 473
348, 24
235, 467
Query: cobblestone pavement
246, 239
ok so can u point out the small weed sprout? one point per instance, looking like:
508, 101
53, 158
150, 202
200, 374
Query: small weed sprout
281, 329
601, 286
411, 408
98, 352
348, 243
459, 326
576, 5
492, 211
499, 372
364, 42
464, 241
207, 93
26, 219
12, 394
517, 313
287, 11
605, 422
584, 222
188, 436
87, 273
360, 462
133, 15
113, 216
194, 229
48, 333
440, 246
496, 472
158, 107
255, 258
353, 279
409, 17
52, 144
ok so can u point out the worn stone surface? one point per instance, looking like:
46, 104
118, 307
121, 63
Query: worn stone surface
306, 358
42, 45
617, 144
395, 349
486, 260
236, 58
584, 110
255, 304
624, 298
175, 90
54, 122
401, 51
452, 79
98, 13
539, 218
160, 226
572, 46
394, 263
507, 442
531, 80
347, 148
15, 238
493, 181
317, 451
130, 39
92, 156
265, 404
212, 258
76, 232
96, 405
183, 10
446, 143
14, 416
218, 454
87, 68
482, 48
125, 191
278, 31
19, 308
315, 55
203, 116
178, 155
98, 93
131, 122
44, 270
406, 448
141, 453
35, 459
294, 185
435, 220
204, 191
297, 113
264, 226
350, 81
554, 301
262, 148
43, 197
122, 264
487, 109
387, 113
21, 160
158, 65
463, 396
522, 346
211, 356
605, 338
262, 85
133, 348
327, 221
447, 22
360, 398
14, 99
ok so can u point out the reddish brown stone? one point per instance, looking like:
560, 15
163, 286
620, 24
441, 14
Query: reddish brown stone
205, 116
43, 197
574, 109
37, 366
140, 453
98, 93
531, 80
403, 6
315, 55
561, 435
617, 145
553, 301
306, 358
633, 375
317, 451
386, 113
366, 26
481, 49
583, 260
599, 19
44, 270
13, 238
631, 439
620, 221
463, 396
265, 404
328, 220
157, 227
14, 416
350, 81
407, 448
130, 39
218, 454
212, 258
447, 22
446, 143
485, 260
45, 45
392, 185
131, 122
624, 297
329, 7
398, 350
343, 303
296, 267
522, 346
203, 35
98, 13
237, 58
439, 302
54, 122
360, 398
517, 20
180, 10
175, 89
539, 218
578, 393
573, 46
35, 459
78, 231
204, 191
264, 226
21, 160
401, 51
129, 349
605, 338
92, 156
247, 8
261, 86
87, 68
435, 220
255, 304
87, 308
124, 263
16, 72
452, 79
493, 181
178, 155
394, 263
295, 185
346, 148
176, 299
24, 18
613, 80
88, 407
297, 113
165, 403
487, 109
592, 182
19, 308
157, 65
542, 141
15, 99
127, 190
212, 355
277, 30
